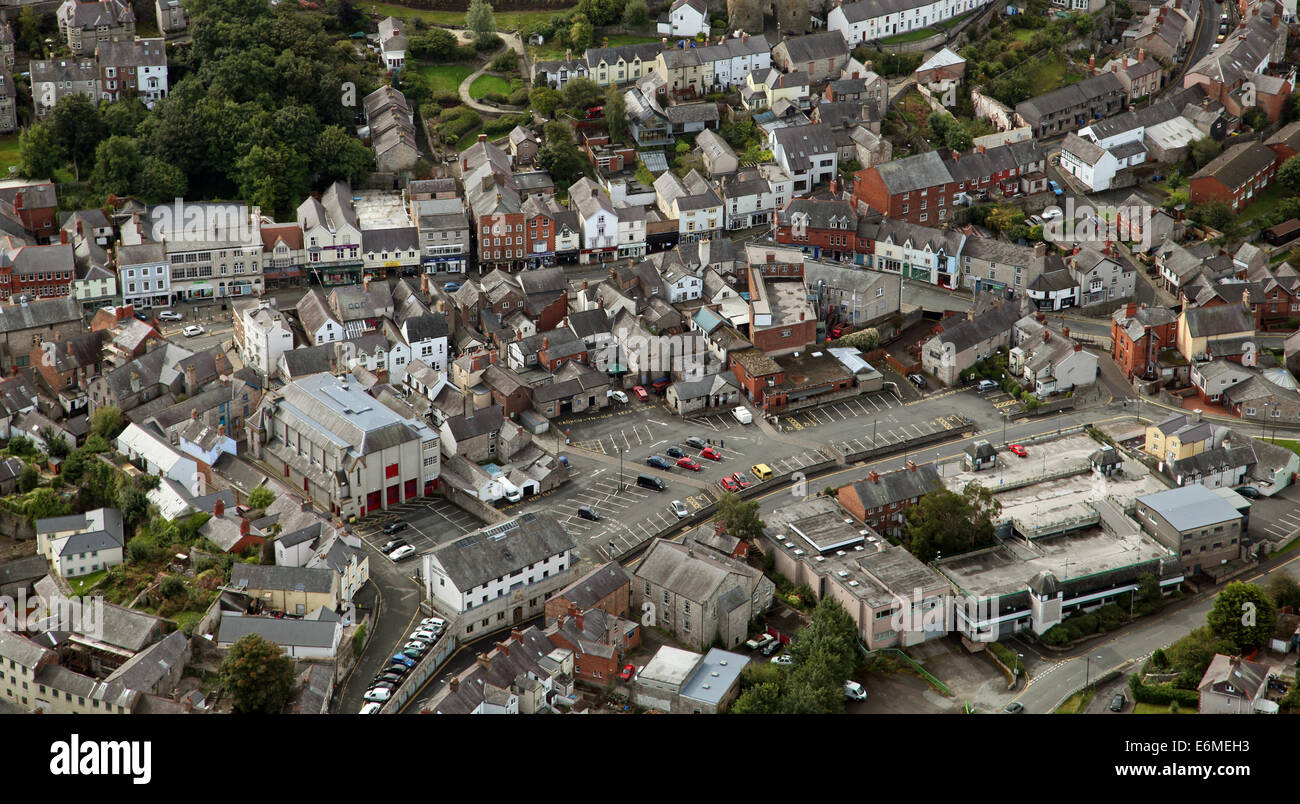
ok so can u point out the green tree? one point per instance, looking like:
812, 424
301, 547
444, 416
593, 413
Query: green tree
760, 699
261, 497
1242, 615
78, 129
479, 18
563, 161
1215, 213
39, 152
950, 523
339, 155
121, 119
582, 93
435, 44
106, 422
29, 479
864, 339
258, 675
159, 181
616, 114
636, 14
740, 517
275, 177
1255, 117
1283, 590
1204, 150
939, 124
544, 100
55, 444
958, 138
581, 33
1289, 174
117, 164
43, 503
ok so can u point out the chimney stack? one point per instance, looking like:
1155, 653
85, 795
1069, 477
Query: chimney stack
504, 647
1078, 347
243, 527
218, 508
1092, 64
875, 478
454, 684
580, 620
482, 137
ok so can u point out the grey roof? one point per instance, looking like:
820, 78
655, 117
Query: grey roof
696, 575
99, 529
968, 332
24, 569
802, 143
1189, 507
611, 55
715, 675
1235, 166
38, 313
1209, 322
288, 579
483, 421
280, 630
345, 414
596, 585
147, 668
814, 47
1088, 152
498, 550
894, 487
1070, 96
914, 173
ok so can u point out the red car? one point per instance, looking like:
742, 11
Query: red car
640, 393
728, 484
711, 453
1019, 450
628, 672
689, 463
739, 477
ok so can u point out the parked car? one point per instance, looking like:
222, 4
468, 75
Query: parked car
371, 708
391, 545
618, 396
1052, 213
771, 647
378, 695
1248, 491
987, 385
689, 463
1014, 708
403, 660
728, 484
658, 462
1117, 703
425, 636
1056, 188
740, 479
193, 330
435, 624
416, 644
394, 527
168, 315
660, 385
402, 553
141, 316
587, 512
675, 452
628, 671
679, 509
761, 641
918, 380
412, 653
640, 393
648, 482
389, 676
742, 414
696, 442
711, 453
1016, 449
451, 287
784, 659
761, 471
853, 691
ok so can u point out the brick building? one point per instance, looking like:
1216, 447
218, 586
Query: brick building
882, 500
1138, 334
1235, 176
607, 587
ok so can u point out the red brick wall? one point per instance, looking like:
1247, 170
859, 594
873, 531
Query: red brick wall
802, 334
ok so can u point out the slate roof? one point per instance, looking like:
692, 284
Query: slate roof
282, 631
498, 550
696, 575
287, 579
483, 421
968, 332
895, 487
1235, 166
38, 313
802, 143
814, 47
595, 586
1209, 322
1189, 507
913, 173
1067, 97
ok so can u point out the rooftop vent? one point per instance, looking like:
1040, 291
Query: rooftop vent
853, 583
843, 573
798, 552
821, 558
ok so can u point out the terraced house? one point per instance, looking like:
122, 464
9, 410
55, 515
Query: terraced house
83, 25
622, 64
869, 20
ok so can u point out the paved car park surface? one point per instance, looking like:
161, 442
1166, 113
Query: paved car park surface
430, 521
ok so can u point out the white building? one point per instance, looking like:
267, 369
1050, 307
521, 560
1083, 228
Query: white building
80, 544
686, 18
332, 235
157, 457
392, 43
501, 575
1094, 166
144, 275
598, 220
265, 336
631, 230
692, 201
868, 20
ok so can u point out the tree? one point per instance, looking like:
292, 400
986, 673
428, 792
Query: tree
1255, 117
107, 422
159, 181
1243, 615
581, 93
740, 517
55, 444
1204, 150
950, 523
755, 154
563, 161
78, 129
261, 497
124, 117
435, 44
1215, 213
43, 503
39, 152
339, 155
1292, 106
864, 339
275, 177
479, 18
1289, 174
616, 114
581, 32
636, 14
543, 100
1283, 590
760, 699
117, 163
29, 479
939, 124
258, 675
958, 138
830, 635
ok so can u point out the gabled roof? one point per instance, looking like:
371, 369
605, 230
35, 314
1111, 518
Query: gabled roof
499, 550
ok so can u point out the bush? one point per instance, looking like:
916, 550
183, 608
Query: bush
359, 640
519, 97
488, 42
496, 97
504, 62
1161, 694
503, 124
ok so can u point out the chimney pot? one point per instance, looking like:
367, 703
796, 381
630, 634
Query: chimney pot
218, 508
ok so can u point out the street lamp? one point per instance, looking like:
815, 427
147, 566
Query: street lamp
620, 467
1087, 673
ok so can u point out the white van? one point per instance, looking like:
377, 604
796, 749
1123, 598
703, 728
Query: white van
742, 414
853, 691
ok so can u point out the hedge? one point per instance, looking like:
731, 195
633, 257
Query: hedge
1161, 694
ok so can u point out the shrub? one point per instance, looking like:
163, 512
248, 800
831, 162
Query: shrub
504, 62
488, 42
1161, 694
496, 97
518, 97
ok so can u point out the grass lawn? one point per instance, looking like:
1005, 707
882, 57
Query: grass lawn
1264, 203
1049, 74
83, 584
910, 36
946, 24
8, 153
444, 77
1024, 34
469, 139
488, 83
1156, 709
506, 20
552, 52
1294, 446
1076, 703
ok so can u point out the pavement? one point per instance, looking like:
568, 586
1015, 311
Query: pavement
513, 42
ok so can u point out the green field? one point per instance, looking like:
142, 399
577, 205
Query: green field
1048, 74
8, 153
444, 77
910, 36
1156, 709
554, 52
506, 20
488, 83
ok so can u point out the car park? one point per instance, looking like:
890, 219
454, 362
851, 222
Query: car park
648, 482
403, 660
402, 553
658, 462
853, 691
689, 463
675, 452
640, 393
394, 527
391, 545
192, 331
628, 671
168, 315
424, 636
1016, 449
987, 385
711, 453
728, 484
378, 694
618, 396
587, 512
761, 641
761, 471
696, 442
679, 509
389, 678
435, 624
